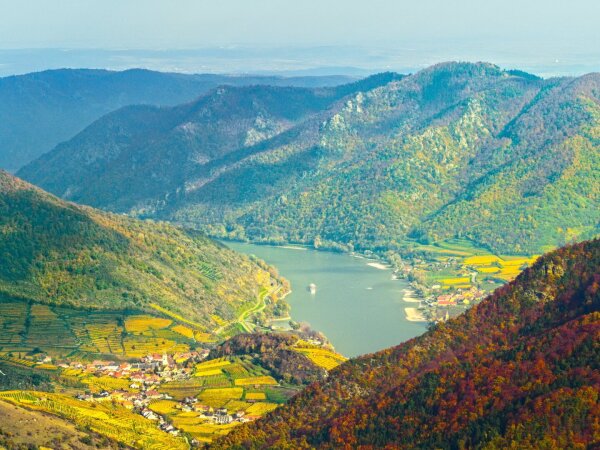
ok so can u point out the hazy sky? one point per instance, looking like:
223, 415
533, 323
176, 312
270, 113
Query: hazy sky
439, 28
193, 23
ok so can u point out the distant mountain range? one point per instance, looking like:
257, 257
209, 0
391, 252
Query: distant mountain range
39, 110
58, 253
519, 370
504, 158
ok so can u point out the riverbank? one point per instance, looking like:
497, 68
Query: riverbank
356, 306
414, 315
379, 266
409, 296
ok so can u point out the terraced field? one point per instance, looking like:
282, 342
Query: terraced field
59, 331
12, 325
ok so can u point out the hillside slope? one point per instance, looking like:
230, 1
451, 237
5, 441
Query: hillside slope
39, 110
140, 157
519, 370
59, 253
365, 166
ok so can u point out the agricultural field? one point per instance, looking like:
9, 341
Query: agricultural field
220, 395
459, 264
255, 396
105, 383
12, 324
255, 381
184, 331
208, 373
181, 389
106, 419
163, 406
60, 332
142, 324
219, 362
322, 357
261, 408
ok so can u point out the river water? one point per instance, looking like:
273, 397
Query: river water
358, 307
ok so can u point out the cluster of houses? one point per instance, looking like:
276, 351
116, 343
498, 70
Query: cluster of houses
460, 297
162, 423
219, 416
442, 307
145, 377
150, 369
131, 400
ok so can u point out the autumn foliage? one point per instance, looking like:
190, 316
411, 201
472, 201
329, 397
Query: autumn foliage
520, 370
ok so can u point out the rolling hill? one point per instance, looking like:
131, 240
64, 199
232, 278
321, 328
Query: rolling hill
39, 110
519, 370
457, 150
60, 255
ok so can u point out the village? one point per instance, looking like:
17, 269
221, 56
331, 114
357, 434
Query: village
144, 379
193, 396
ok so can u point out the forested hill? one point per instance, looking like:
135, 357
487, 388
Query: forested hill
140, 156
59, 253
39, 110
519, 370
504, 158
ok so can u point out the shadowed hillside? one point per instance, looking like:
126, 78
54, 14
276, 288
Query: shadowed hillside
39, 110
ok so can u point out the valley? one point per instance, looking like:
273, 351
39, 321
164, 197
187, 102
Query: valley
518, 370
397, 220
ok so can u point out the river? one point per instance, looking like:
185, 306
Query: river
358, 307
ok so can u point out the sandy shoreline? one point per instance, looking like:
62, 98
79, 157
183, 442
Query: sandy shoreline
408, 296
414, 315
377, 265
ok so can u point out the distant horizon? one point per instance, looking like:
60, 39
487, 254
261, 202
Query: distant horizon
286, 62
274, 37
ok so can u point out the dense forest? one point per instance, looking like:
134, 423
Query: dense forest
57, 104
273, 352
63, 254
503, 158
519, 370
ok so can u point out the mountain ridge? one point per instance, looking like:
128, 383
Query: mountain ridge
62, 102
412, 157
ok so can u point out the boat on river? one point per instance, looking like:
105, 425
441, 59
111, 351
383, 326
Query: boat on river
312, 288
